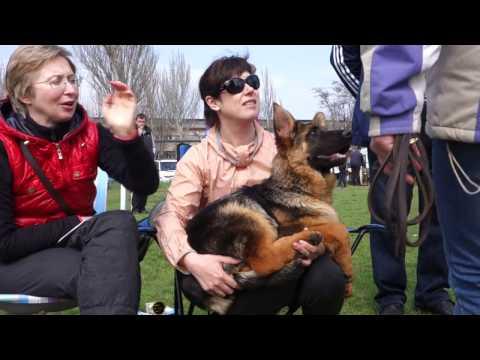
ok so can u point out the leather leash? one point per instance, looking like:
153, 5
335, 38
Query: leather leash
396, 214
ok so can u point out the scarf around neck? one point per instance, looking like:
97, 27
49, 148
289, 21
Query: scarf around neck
239, 156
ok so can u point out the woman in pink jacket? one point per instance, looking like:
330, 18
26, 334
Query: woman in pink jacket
236, 152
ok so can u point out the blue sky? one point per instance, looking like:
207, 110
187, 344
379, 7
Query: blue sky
294, 69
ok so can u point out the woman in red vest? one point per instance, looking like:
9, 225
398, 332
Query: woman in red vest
50, 242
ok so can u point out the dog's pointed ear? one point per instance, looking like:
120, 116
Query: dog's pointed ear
319, 120
283, 122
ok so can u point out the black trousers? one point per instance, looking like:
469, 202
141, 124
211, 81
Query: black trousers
320, 291
389, 271
138, 202
342, 178
97, 265
355, 175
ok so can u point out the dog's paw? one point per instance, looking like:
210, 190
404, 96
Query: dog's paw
245, 279
219, 305
297, 260
315, 238
348, 290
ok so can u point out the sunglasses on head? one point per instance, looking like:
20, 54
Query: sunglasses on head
236, 85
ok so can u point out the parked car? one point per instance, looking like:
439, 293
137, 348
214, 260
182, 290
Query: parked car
166, 169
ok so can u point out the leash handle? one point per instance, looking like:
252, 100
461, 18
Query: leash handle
395, 217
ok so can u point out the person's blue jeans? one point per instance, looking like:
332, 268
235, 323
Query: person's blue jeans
459, 215
389, 270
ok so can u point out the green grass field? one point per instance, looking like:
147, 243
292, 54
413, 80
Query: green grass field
350, 202
157, 274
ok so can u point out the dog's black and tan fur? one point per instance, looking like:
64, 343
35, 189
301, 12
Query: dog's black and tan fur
259, 224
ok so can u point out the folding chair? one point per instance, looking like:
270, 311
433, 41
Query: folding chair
362, 231
23, 304
146, 229
147, 233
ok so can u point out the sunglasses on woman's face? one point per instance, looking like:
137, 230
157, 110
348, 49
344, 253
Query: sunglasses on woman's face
236, 85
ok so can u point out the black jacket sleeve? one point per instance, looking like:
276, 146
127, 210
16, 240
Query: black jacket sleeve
148, 142
347, 63
15, 242
128, 162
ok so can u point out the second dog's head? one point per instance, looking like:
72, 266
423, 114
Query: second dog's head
310, 142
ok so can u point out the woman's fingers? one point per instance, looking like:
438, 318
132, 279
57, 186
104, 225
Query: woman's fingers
227, 259
118, 85
306, 262
309, 251
224, 288
217, 292
122, 90
301, 249
221, 289
229, 281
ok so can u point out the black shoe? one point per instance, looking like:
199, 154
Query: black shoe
444, 307
391, 309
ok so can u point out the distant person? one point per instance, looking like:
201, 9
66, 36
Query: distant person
342, 175
139, 200
356, 163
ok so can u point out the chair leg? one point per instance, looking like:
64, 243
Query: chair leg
357, 241
178, 299
191, 309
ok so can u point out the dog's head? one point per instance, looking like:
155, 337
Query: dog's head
310, 142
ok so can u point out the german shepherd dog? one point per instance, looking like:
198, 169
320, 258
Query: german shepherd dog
259, 224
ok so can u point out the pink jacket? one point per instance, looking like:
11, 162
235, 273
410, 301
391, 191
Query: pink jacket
204, 174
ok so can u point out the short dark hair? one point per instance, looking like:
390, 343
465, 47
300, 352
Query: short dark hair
141, 116
216, 74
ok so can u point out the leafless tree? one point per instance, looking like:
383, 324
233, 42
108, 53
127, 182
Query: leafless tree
336, 101
267, 99
93, 103
177, 100
135, 65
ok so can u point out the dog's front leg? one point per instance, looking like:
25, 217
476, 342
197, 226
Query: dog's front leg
337, 241
269, 255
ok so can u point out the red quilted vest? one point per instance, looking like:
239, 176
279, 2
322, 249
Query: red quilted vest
70, 165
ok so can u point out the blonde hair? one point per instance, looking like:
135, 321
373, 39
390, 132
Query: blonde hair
25, 60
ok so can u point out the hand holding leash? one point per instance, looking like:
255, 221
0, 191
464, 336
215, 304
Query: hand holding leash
402, 157
382, 147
